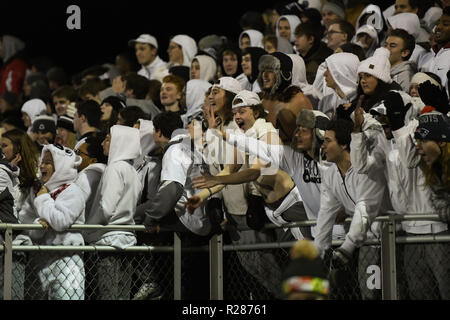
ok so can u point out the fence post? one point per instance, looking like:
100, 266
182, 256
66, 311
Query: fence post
176, 267
388, 261
216, 267
7, 279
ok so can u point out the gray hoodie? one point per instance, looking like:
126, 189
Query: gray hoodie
402, 74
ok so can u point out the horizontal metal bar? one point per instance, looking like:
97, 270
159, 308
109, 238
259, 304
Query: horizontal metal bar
91, 248
422, 239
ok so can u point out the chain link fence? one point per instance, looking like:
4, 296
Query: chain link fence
399, 266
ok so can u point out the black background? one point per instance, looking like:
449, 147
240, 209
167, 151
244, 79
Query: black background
106, 26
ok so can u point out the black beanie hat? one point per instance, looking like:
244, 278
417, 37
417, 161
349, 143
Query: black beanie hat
65, 122
117, 103
433, 126
44, 124
181, 71
14, 118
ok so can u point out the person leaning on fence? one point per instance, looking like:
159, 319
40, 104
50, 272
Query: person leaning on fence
181, 162
56, 203
361, 196
114, 203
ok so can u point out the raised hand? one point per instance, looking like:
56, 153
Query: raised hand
205, 181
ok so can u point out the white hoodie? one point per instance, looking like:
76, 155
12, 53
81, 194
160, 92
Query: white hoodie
256, 38
208, 67
293, 20
188, 46
375, 19
155, 70
343, 67
60, 213
299, 77
33, 108
118, 191
195, 97
407, 189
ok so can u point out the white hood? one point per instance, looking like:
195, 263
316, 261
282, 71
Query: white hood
343, 67
146, 138
431, 18
208, 67
375, 20
65, 162
33, 108
298, 70
389, 11
294, 21
10, 46
256, 38
125, 144
407, 21
195, 95
188, 46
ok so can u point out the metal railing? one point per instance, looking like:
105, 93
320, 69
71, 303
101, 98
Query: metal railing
217, 249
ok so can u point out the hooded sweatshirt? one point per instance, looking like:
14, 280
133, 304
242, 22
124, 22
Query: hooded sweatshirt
256, 38
375, 18
34, 108
118, 191
188, 46
299, 79
155, 70
62, 207
343, 68
148, 167
407, 189
13, 72
372, 32
208, 67
283, 45
403, 73
410, 23
195, 98
293, 20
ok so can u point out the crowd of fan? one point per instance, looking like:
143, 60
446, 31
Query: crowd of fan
318, 110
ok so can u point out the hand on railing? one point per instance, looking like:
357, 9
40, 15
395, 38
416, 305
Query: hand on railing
193, 203
44, 223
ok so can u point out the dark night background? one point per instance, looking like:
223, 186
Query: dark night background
106, 26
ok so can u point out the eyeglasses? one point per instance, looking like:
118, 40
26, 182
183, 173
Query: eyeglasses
78, 152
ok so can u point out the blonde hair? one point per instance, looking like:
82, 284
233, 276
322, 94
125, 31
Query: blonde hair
304, 249
431, 172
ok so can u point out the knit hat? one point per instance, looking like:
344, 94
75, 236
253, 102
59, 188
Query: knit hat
421, 77
335, 6
66, 123
433, 126
14, 118
246, 98
317, 121
211, 41
377, 65
144, 38
180, 71
117, 103
281, 65
306, 272
229, 84
44, 124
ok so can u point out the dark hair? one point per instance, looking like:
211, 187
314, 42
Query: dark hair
409, 42
130, 115
446, 11
167, 122
138, 84
355, 49
229, 96
91, 86
346, 27
252, 20
261, 111
68, 92
94, 147
309, 29
130, 60
313, 15
343, 131
91, 110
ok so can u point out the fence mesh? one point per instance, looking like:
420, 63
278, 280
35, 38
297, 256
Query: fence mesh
423, 272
